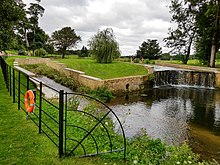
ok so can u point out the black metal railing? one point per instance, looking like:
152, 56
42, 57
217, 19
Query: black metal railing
75, 123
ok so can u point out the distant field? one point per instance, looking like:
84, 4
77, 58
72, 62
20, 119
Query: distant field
103, 71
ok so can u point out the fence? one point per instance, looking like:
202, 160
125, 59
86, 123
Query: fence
76, 124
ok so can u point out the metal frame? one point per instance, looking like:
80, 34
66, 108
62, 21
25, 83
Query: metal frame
57, 133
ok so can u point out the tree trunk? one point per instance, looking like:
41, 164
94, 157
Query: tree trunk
189, 48
27, 43
213, 51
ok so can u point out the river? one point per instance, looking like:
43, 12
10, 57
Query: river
175, 115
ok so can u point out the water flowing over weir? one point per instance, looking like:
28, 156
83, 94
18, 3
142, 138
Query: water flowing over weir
184, 78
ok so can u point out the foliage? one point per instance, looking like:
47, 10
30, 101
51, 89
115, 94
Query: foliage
53, 74
181, 155
206, 22
149, 49
84, 52
40, 52
181, 38
101, 93
21, 52
104, 46
10, 15
37, 40
144, 150
35, 36
64, 39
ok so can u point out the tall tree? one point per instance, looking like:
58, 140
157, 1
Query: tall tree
149, 50
10, 14
104, 46
214, 10
182, 37
207, 21
35, 11
64, 39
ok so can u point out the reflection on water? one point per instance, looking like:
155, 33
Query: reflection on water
174, 115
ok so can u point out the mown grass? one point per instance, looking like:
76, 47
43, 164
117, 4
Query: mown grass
103, 71
22, 144
193, 62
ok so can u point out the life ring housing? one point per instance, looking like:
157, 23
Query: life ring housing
29, 95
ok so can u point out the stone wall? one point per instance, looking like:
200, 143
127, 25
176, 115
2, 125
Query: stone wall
132, 83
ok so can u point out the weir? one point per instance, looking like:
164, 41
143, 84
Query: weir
184, 78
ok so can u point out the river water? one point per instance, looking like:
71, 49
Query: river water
174, 114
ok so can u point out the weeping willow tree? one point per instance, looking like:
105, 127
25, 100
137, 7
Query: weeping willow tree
104, 46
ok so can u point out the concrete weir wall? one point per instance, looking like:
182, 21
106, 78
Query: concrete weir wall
131, 83
196, 68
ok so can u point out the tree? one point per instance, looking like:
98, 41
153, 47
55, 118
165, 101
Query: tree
149, 50
64, 39
83, 52
10, 14
182, 38
40, 40
104, 46
35, 11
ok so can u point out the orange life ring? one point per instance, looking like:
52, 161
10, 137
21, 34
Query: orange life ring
29, 95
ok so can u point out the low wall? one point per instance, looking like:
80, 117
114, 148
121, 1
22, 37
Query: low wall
197, 68
132, 83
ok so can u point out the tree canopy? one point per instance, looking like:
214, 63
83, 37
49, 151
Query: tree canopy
64, 39
197, 22
104, 46
149, 50
10, 14
181, 38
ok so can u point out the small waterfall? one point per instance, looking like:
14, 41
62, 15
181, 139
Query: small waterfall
184, 78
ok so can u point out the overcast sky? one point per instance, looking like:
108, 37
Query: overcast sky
133, 21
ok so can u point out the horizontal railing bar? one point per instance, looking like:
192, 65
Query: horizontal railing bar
50, 129
50, 117
50, 138
51, 104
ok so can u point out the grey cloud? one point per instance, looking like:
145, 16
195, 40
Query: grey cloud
132, 21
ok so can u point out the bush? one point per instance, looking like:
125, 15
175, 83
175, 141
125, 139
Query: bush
21, 52
42, 69
40, 52
101, 93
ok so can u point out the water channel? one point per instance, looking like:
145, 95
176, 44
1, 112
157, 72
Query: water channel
175, 114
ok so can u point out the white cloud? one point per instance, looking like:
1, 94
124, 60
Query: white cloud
133, 21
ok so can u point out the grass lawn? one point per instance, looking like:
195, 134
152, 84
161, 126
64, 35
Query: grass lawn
103, 71
22, 144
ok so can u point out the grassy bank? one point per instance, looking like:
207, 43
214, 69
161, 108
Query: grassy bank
22, 144
103, 71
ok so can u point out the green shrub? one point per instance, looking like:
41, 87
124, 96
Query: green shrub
101, 93
21, 52
40, 52
51, 73
143, 150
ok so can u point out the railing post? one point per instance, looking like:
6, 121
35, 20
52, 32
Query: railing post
40, 107
61, 107
19, 90
13, 81
6, 68
10, 80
